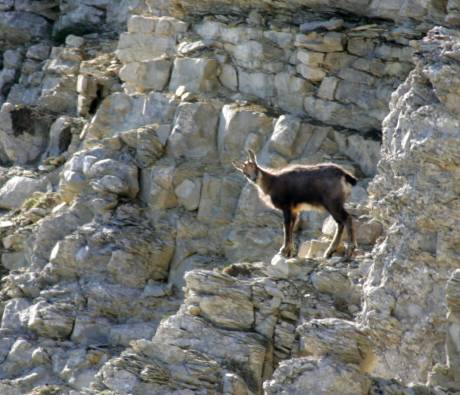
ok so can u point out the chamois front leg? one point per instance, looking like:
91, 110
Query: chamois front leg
289, 219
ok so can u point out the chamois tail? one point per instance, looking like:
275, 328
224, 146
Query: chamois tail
350, 179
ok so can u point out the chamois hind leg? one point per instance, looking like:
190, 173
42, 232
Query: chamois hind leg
340, 216
289, 219
351, 236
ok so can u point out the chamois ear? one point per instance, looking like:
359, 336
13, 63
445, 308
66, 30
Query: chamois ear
252, 155
237, 166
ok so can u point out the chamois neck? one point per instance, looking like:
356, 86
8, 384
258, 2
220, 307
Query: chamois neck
264, 180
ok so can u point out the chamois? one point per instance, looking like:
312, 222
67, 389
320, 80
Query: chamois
297, 188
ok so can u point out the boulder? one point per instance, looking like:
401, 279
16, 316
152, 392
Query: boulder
141, 47
343, 340
23, 132
20, 27
219, 299
78, 19
157, 189
16, 315
219, 197
17, 189
300, 376
51, 320
241, 128
147, 75
188, 194
193, 135
195, 74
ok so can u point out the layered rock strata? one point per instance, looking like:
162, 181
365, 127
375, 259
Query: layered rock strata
118, 197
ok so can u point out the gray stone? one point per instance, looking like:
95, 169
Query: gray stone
13, 260
367, 230
328, 42
188, 194
125, 333
300, 376
148, 75
290, 91
60, 135
12, 59
284, 135
17, 189
38, 51
196, 74
87, 330
23, 132
140, 47
327, 88
194, 132
256, 83
19, 27
16, 314
81, 18
114, 176
228, 76
157, 189
51, 320
120, 112
219, 197
331, 24
74, 41
342, 339
219, 301
241, 128
334, 113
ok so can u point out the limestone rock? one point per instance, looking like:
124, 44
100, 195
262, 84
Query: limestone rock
328, 42
141, 47
157, 188
62, 134
196, 74
365, 152
240, 129
17, 189
323, 377
413, 206
16, 314
148, 75
194, 132
367, 230
51, 320
22, 140
219, 197
82, 18
18, 27
340, 338
188, 194
113, 176
334, 282
222, 304
284, 135
290, 91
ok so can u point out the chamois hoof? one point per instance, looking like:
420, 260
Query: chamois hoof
328, 254
286, 251
349, 252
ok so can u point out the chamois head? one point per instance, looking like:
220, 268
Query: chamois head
250, 167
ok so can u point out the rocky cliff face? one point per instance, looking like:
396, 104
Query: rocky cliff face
136, 260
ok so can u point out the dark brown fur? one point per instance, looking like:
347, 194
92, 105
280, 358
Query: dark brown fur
322, 186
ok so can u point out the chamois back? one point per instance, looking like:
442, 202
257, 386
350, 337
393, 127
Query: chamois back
317, 185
